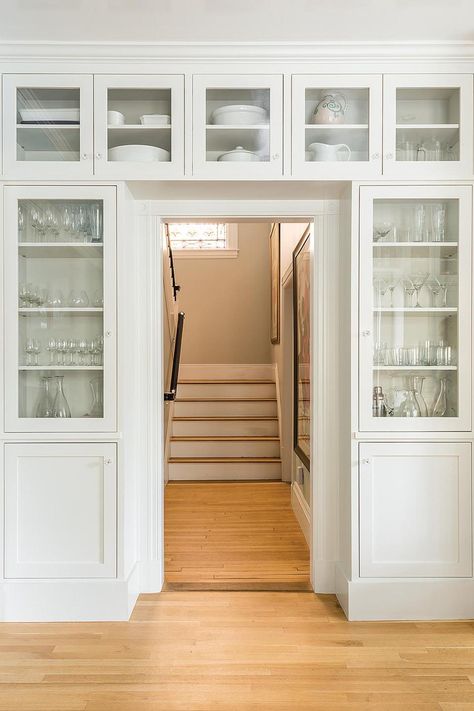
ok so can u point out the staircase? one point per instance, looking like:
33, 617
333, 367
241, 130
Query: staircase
225, 429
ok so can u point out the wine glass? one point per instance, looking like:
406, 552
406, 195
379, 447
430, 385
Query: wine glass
392, 283
52, 350
409, 289
418, 279
21, 222
381, 230
381, 288
434, 285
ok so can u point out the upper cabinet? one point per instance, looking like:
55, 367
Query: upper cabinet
336, 126
427, 122
139, 126
47, 126
237, 126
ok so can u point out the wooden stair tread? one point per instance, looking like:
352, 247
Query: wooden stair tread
225, 460
226, 382
225, 399
224, 438
238, 418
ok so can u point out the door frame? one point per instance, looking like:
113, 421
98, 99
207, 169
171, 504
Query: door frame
323, 525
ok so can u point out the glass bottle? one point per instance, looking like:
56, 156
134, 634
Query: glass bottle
418, 384
441, 404
60, 404
97, 407
410, 407
45, 403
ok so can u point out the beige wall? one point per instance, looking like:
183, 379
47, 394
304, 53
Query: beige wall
227, 302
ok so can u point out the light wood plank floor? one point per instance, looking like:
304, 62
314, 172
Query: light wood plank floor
237, 651
233, 536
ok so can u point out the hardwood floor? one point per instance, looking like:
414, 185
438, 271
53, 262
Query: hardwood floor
227, 651
233, 536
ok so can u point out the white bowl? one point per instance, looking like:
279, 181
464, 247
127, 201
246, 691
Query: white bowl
139, 153
239, 154
115, 118
155, 120
239, 114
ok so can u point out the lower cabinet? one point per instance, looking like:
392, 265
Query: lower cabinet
415, 509
60, 510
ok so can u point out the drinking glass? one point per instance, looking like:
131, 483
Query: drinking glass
381, 230
51, 223
51, 348
392, 283
418, 279
21, 222
444, 289
419, 233
409, 289
381, 288
433, 284
98, 299
56, 299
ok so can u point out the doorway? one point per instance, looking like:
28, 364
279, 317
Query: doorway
237, 504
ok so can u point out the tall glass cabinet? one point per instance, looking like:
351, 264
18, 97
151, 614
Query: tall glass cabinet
60, 364
415, 308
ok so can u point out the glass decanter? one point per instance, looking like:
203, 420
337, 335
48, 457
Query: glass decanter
60, 404
97, 407
441, 404
410, 407
418, 385
45, 402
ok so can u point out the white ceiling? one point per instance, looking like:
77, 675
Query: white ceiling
236, 20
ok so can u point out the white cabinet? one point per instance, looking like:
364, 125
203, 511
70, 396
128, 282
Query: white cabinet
237, 126
427, 122
47, 126
60, 302
336, 126
415, 510
60, 510
415, 308
139, 126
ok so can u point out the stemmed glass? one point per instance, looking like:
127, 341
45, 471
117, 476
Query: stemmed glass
381, 230
434, 285
392, 284
32, 350
409, 289
418, 279
381, 287
444, 289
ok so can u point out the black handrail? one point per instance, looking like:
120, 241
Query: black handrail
171, 394
176, 288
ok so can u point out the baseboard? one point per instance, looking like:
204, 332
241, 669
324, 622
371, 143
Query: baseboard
324, 577
227, 371
420, 599
151, 576
68, 600
302, 511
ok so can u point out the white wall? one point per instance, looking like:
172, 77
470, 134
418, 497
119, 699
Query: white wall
227, 302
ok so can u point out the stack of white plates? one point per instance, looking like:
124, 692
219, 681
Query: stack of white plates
139, 154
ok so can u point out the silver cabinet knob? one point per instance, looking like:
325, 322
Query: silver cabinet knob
365, 333
108, 461
83, 156
389, 156
375, 156
98, 156
108, 333
365, 461
275, 156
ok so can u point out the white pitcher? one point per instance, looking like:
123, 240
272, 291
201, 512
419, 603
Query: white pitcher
327, 152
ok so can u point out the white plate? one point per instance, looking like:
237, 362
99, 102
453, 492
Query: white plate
138, 153
239, 114
53, 115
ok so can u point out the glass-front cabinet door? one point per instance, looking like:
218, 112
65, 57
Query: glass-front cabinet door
139, 126
60, 372
237, 126
47, 131
428, 126
415, 308
336, 126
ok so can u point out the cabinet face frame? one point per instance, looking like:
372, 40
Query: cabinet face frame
338, 170
14, 423
106, 568
235, 170
462, 489
44, 170
127, 170
428, 170
461, 423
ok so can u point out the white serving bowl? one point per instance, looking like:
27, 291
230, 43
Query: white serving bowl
155, 120
239, 114
138, 153
239, 154
115, 118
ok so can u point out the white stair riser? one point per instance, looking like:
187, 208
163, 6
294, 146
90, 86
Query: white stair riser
210, 428
226, 390
226, 408
225, 449
214, 471
225, 371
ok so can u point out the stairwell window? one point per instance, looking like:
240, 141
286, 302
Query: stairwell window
203, 239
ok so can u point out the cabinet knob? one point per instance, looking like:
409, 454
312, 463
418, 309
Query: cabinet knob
375, 156
108, 461
83, 156
365, 461
98, 156
275, 156
108, 333
389, 156
365, 333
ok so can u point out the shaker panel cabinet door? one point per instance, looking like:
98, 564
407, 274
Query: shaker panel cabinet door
139, 126
60, 503
47, 126
336, 126
415, 510
427, 121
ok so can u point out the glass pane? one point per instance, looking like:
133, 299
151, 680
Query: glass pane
139, 125
428, 124
48, 122
336, 124
238, 125
198, 235
415, 308
60, 306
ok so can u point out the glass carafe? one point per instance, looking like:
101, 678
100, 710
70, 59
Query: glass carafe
441, 403
97, 407
45, 402
410, 407
418, 385
60, 405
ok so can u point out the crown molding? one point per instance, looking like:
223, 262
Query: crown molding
236, 51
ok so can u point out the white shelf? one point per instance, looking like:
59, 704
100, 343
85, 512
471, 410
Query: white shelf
39, 310
415, 310
415, 244
408, 368
423, 126
338, 126
60, 250
67, 126
138, 127
238, 127
60, 367
49, 137
423, 132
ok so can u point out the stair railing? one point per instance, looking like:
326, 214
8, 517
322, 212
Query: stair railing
171, 394
176, 288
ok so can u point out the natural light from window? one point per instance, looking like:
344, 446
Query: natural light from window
198, 235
